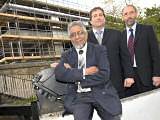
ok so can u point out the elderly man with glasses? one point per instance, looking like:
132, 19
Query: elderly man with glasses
85, 68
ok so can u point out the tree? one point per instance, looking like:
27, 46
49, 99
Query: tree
152, 17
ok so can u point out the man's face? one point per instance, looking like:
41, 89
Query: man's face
78, 36
129, 15
97, 19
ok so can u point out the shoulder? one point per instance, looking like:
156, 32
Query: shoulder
146, 29
90, 32
113, 31
145, 26
114, 34
97, 47
67, 52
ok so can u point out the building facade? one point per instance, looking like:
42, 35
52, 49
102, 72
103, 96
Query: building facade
35, 30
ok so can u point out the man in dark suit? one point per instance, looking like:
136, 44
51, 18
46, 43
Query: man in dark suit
121, 72
88, 81
144, 53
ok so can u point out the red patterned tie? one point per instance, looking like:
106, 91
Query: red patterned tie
131, 45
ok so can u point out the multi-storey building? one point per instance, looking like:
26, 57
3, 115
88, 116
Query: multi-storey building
35, 29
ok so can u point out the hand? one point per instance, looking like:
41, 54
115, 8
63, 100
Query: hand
54, 65
91, 70
128, 82
66, 65
156, 81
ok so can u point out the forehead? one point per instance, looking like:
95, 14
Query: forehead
76, 28
97, 11
128, 8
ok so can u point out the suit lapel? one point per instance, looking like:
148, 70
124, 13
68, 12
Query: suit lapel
138, 32
93, 37
73, 58
125, 37
105, 37
89, 55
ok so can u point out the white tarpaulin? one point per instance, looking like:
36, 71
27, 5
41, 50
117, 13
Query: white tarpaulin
144, 106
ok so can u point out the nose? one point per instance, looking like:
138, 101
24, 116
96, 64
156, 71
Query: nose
76, 36
129, 15
98, 16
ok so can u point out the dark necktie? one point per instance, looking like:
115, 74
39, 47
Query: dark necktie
81, 61
131, 45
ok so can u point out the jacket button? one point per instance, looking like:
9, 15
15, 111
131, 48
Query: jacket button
103, 92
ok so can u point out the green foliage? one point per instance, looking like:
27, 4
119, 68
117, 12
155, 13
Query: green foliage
114, 23
154, 11
152, 17
24, 101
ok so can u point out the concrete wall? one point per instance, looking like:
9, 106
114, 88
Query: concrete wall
144, 106
24, 68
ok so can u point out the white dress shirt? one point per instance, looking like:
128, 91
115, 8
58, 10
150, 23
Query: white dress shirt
80, 89
96, 35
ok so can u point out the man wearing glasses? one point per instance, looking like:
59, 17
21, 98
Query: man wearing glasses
85, 68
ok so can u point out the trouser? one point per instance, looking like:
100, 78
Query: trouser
84, 107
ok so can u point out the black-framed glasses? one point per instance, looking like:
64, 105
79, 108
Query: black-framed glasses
74, 34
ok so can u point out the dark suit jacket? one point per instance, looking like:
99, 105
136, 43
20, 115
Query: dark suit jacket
99, 82
147, 53
118, 57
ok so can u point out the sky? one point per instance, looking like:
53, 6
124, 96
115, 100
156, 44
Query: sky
139, 3
148, 3
86, 5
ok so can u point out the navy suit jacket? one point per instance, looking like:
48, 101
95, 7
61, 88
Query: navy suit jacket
102, 89
118, 56
147, 53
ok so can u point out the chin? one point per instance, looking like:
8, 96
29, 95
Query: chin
78, 46
130, 23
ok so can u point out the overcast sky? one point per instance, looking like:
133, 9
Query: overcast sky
148, 3
139, 3
88, 4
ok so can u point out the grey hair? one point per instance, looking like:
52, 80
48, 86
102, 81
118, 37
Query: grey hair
76, 23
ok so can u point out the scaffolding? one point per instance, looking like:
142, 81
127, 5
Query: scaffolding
35, 30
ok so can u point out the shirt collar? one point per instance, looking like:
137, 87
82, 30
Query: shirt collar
133, 27
95, 30
84, 48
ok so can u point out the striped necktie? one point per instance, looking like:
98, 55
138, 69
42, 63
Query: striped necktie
99, 36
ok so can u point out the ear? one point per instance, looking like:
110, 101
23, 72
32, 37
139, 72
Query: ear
137, 14
90, 22
122, 18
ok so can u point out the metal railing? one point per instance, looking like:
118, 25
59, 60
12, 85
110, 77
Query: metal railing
19, 86
8, 30
35, 49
